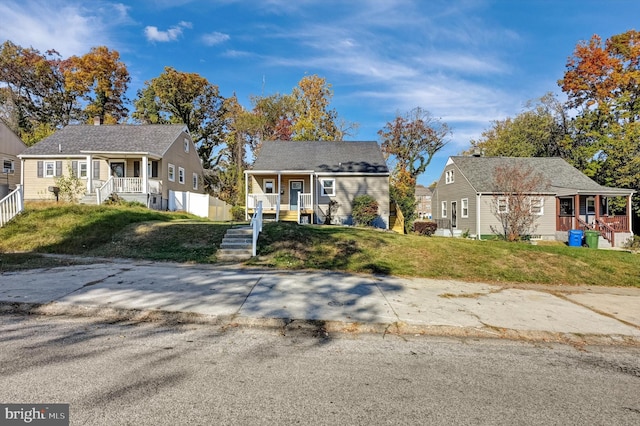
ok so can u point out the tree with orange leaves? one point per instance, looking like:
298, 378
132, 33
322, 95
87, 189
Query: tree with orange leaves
602, 82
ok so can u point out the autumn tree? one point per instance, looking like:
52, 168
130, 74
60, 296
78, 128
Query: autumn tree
314, 119
518, 200
539, 131
601, 83
410, 141
101, 79
303, 115
180, 97
228, 176
33, 96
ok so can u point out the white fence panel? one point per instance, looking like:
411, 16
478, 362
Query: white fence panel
197, 204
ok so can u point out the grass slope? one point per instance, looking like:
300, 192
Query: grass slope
135, 232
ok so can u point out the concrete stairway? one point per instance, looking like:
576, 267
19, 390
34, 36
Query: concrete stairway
236, 245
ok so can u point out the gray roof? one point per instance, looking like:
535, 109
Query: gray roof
564, 179
321, 156
73, 140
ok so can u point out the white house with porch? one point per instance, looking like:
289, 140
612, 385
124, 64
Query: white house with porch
137, 162
316, 181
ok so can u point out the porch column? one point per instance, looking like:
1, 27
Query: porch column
89, 174
576, 211
312, 198
557, 214
629, 213
597, 201
246, 196
280, 191
145, 174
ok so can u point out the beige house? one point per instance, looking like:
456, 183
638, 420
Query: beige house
10, 147
299, 180
423, 202
465, 200
137, 162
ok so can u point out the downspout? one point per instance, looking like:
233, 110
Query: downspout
478, 197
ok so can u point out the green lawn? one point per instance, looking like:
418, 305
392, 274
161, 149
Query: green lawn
135, 232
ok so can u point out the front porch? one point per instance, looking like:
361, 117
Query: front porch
285, 196
594, 213
127, 188
300, 211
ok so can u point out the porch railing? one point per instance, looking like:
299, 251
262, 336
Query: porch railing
606, 231
269, 201
617, 223
11, 205
128, 185
304, 201
105, 190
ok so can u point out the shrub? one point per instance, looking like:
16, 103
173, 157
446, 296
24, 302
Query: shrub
425, 228
365, 210
633, 243
237, 213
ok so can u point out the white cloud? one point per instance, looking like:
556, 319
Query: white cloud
154, 34
66, 26
215, 38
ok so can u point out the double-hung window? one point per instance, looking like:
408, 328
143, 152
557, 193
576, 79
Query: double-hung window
181, 175
49, 168
195, 181
172, 173
448, 176
328, 187
444, 209
8, 166
502, 205
465, 207
536, 206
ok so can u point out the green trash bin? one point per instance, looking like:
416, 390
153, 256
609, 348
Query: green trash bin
591, 238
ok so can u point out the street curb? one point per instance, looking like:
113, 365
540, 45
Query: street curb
315, 328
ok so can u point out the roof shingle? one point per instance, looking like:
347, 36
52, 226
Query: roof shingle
71, 140
321, 156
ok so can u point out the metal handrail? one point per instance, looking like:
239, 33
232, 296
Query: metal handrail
256, 225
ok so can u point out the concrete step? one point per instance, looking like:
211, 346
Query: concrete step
237, 245
232, 255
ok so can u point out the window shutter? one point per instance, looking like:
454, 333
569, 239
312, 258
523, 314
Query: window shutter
40, 169
96, 169
74, 168
154, 169
58, 168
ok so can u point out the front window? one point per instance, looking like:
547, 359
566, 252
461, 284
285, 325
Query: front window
503, 205
269, 186
465, 207
444, 209
537, 206
172, 173
181, 175
49, 168
8, 166
328, 187
82, 169
591, 205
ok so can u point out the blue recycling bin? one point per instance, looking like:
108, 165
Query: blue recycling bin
575, 238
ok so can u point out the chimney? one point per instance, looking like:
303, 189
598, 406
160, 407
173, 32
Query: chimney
97, 120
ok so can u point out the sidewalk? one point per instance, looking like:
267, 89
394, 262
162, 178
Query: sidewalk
332, 302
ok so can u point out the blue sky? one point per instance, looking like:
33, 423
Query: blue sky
468, 62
